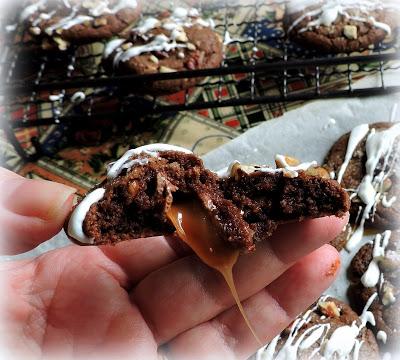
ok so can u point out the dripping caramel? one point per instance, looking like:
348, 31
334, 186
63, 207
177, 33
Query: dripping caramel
196, 230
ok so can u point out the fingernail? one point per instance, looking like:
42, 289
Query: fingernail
37, 198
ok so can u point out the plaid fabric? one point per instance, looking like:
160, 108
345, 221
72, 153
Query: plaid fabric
67, 160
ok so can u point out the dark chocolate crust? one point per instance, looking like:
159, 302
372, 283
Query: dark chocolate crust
332, 39
207, 53
369, 349
387, 317
384, 218
244, 208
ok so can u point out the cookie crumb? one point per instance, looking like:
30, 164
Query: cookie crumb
333, 269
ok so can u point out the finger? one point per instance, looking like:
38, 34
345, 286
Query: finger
31, 211
269, 312
168, 296
140, 257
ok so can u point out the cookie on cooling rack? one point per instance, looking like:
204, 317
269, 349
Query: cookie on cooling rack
372, 178
376, 269
340, 26
60, 23
329, 329
169, 42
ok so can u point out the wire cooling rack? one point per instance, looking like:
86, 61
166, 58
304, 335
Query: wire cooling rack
260, 66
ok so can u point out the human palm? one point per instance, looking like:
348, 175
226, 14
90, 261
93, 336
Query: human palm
146, 298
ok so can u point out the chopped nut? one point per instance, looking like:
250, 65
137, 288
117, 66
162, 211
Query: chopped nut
181, 55
289, 161
350, 31
89, 4
388, 297
318, 171
133, 189
154, 59
182, 37
191, 46
329, 309
62, 44
387, 185
34, 30
126, 46
165, 69
100, 22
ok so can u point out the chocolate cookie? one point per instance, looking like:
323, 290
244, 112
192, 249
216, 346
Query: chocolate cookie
74, 21
371, 179
340, 26
329, 329
244, 206
170, 42
376, 269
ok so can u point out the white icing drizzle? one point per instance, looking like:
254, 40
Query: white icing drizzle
31, 9
125, 162
357, 134
382, 336
176, 39
378, 146
388, 203
329, 11
342, 344
68, 22
159, 43
78, 97
293, 170
75, 17
146, 25
371, 277
290, 171
75, 225
111, 46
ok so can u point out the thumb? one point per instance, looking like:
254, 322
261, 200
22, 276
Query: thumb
31, 211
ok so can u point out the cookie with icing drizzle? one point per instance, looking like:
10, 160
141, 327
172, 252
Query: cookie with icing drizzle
328, 330
365, 162
341, 26
57, 24
174, 41
244, 205
376, 268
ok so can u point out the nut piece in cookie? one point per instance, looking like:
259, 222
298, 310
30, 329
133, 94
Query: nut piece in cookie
340, 26
244, 207
167, 43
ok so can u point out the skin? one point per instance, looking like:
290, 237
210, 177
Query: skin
143, 298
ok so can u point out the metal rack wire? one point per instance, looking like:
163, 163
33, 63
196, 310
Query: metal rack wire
267, 70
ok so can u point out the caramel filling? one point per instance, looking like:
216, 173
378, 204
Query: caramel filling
195, 229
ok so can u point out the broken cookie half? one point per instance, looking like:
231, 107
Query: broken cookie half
151, 188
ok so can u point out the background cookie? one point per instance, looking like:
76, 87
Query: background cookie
171, 42
312, 335
339, 26
384, 216
76, 21
386, 307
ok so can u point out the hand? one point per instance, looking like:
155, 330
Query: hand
129, 300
